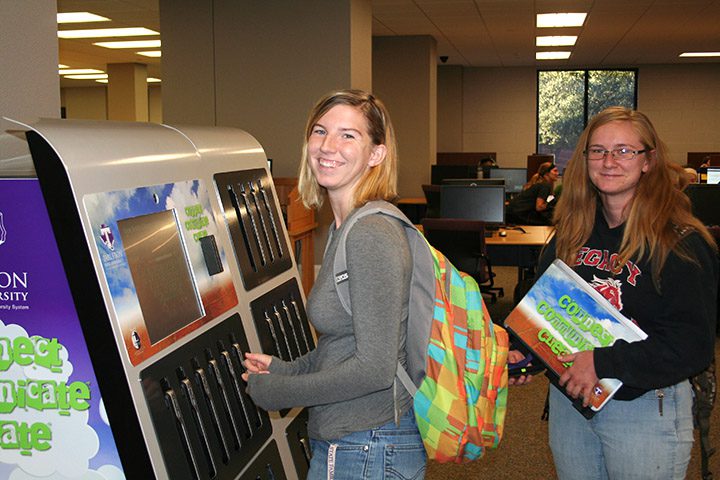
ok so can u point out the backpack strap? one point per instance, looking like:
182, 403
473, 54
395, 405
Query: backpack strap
340, 264
422, 288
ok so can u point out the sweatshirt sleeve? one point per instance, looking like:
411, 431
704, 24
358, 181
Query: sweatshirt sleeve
681, 343
379, 266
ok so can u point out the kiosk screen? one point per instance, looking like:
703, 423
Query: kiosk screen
159, 267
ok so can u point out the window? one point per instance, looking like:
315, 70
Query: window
568, 98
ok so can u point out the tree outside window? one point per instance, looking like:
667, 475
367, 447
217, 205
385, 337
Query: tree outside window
568, 98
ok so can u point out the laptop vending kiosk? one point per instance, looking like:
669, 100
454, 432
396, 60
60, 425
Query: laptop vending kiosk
178, 261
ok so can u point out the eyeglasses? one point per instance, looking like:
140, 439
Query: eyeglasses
622, 154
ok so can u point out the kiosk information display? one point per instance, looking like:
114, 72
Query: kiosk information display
174, 255
53, 415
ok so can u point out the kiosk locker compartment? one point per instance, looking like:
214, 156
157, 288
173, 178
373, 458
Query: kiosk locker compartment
172, 243
204, 419
254, 225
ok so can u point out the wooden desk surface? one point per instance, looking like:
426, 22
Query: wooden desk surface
533, 236
412, 201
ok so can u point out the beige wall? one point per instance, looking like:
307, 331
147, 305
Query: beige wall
499, 109
90, 103
187, 36
499, 113
85, 103
683, 103
155, 103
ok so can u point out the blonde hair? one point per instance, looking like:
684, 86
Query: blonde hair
380, 182
656, 215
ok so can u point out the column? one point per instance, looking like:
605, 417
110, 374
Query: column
405, 78
127, 92
260, 66
29, 61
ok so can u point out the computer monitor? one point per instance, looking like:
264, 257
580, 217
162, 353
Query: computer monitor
704, 199
515, 178
440, 172
485, 203
713, 175
474, 181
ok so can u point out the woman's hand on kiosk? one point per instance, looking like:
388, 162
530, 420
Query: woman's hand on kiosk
256, 363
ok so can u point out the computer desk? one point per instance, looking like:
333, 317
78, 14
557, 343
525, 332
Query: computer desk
518, 248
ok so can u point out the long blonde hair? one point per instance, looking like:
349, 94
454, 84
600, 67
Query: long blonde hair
380, 182
656, 215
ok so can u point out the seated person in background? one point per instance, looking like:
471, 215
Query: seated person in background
484, 167
692, 174
682, 176
533, 206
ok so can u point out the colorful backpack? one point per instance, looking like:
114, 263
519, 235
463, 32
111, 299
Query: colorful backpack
456, 356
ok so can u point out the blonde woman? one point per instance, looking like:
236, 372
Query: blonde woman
348, 381
628, 231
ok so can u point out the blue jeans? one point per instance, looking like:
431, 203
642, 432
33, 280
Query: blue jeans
386, 452
625, 440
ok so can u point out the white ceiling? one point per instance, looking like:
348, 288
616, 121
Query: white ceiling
474, 33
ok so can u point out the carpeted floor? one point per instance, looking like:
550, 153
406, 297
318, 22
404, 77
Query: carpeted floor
524, 452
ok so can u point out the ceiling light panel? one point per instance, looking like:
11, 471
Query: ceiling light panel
549, 20
87, 77
107, 32
130, 44
80, 17
152, 53
556, 41
78, 71
552, 55
700, 54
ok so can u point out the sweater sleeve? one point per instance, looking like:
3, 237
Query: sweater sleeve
681, 343
379, 266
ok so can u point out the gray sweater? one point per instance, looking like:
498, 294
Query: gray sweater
347, 381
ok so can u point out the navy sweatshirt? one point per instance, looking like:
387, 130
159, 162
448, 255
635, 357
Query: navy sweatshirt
679, 319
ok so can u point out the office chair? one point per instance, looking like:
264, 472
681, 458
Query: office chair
432, 196
463, 243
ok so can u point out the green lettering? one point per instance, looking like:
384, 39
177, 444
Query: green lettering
41, 435
24, 437
5, 354
23, 351
79, 396
197, 223
48, 353
7, 396
193, 210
